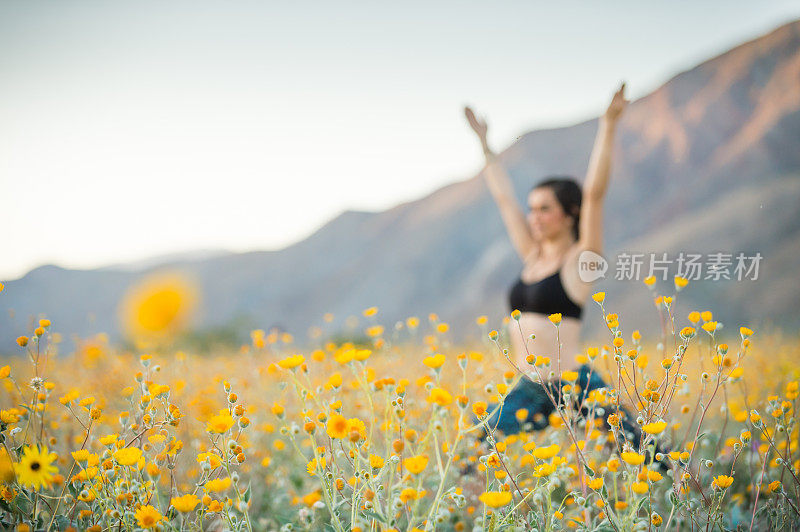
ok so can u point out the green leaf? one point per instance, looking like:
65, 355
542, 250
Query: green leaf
246, 496
375, 516
642, 502
589, 470
674, 499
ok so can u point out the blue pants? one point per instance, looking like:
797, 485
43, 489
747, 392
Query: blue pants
532, 397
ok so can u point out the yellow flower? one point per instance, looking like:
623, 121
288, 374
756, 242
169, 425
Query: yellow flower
596, 483
375, 461
632, 458
362, 354
481, 320
599, 297
128, 455
35, 468
292, 361
640, 487
8, 417
570, 376
185, 503
655, 428
410, 494
375, 330
653, 476
681, 282
337, 426
650, 281
555, 318
158, 306
148, 516
111, 439
440, 396
722, 481
5, 371
6, 467
218, 484
416, 464
81, 456
213, 459
311, 467
479, 409
371, 311
543, 470
356, 427
495, 499
335, 380
545, 453
710, 326
219, 424
435, 361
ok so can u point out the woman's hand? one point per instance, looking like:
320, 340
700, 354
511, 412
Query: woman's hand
478, 126
617, 105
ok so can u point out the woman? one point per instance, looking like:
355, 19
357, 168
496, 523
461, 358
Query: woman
563, 221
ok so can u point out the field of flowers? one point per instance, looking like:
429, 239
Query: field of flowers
392, 433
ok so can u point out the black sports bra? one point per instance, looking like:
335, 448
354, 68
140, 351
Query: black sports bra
543, 297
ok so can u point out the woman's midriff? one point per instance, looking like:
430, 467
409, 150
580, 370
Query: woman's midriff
545, 343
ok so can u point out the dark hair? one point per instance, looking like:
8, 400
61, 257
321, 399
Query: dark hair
569, 196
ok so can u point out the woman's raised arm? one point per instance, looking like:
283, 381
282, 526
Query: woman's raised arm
502, 190
596, 183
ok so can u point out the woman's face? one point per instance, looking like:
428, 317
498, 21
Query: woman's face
546, 219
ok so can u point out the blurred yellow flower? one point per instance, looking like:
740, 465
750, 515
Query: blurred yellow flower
722, 481
158, 306
416, 464
35, 467
292, 361
632, 458
495, 499
219, 424
337, 426
148, 517
545, 453
185, 503
655, 428
434, 361
127, 455
440, 396
218, 484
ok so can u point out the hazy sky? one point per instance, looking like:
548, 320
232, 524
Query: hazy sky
132, 129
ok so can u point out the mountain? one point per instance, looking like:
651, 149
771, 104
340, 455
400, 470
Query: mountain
709, 162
